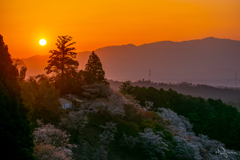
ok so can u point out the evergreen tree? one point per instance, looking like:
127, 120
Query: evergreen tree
15, 135
62, 59
94, 65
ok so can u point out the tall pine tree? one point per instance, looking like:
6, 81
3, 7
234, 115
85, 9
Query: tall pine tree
15, 135
62, 59
94, 66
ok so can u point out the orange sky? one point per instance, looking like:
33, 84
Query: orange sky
98, 23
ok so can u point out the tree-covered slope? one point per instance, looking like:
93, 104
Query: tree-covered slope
109, 126
209, 117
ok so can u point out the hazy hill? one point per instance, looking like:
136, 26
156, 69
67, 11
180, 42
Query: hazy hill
209, 61
226, 94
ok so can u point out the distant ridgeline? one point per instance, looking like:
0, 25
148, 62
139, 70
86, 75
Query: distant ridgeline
226, 94
210, 61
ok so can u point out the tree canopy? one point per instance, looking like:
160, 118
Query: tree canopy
62, 59
14, 128
22, 68
210, 117
126, 87
42, 99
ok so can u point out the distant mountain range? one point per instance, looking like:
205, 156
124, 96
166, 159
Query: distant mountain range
210, 61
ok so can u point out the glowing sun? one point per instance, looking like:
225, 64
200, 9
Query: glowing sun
42, 42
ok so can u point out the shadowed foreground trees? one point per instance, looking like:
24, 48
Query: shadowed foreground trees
22, 69
14, 130
41, 98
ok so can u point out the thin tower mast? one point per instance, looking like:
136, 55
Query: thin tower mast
149, 74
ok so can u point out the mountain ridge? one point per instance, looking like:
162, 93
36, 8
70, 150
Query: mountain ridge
207, 58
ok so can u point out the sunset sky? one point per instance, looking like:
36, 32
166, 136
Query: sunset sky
98, 23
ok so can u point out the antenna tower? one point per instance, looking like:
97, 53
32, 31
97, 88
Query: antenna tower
236, 80
149, 74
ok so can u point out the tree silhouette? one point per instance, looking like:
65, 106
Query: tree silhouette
62, 59
20, 65
94, 65
126, 87
15, 135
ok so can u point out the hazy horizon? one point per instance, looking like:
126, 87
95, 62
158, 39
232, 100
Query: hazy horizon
130, 44
95, 24
210, 61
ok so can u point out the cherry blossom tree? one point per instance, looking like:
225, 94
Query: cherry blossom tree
75, 121
105, 137
102, 98
190, 146
152, 144
51, 143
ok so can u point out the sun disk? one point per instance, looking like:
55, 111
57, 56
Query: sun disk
42, 42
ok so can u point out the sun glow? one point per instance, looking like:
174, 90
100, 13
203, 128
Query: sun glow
42, 42
135, 21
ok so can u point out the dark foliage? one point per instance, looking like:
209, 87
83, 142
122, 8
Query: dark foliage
15, 133
210, 117
226, 94
126, 87
62, 60
94, 65
131, 124
22, 69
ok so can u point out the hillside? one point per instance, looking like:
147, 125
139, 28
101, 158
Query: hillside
210, 61
140, 123
111, 126
226, 94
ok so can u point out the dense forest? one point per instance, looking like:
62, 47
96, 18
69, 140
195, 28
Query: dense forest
210, 117
228, 95
136, 123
